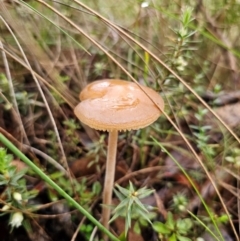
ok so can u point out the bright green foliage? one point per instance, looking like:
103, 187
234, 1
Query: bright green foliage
86, 230
219, 219
174, 230
186, 19
130, 206
5, 162
12, 179
15, 192
143, 222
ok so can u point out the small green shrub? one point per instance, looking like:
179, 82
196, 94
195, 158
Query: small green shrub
173, 230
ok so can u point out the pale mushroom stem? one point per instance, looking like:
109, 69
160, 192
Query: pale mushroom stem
109, 176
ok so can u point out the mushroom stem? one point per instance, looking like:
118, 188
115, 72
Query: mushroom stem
109, 176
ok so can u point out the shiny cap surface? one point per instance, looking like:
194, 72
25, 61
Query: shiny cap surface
113, 104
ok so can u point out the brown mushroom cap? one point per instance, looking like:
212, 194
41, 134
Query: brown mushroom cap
117, 105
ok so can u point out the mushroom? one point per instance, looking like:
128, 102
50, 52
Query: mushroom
116, 105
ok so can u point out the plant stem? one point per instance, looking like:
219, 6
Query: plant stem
109, 177
51, 183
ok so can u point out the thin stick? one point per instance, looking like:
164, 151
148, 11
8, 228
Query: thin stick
109, 177
16, 112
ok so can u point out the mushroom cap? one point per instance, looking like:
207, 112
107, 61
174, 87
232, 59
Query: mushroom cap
113, 104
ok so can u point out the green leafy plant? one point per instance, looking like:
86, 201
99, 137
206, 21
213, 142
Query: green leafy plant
15, 196
180, 202
80, 189
205, 227
142, 221
180, 53
201, 132
71, 130
233, 157
71, 139
55, 186
86, 230
220, 219
97, 149
130, 206
173, 230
